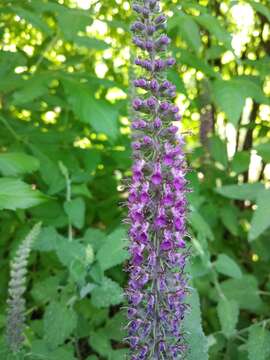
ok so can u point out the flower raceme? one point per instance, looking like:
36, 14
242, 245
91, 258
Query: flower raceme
157, 285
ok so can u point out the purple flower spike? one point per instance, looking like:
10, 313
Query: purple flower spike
157, 286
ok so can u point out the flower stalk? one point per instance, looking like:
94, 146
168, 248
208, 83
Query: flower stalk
157, 204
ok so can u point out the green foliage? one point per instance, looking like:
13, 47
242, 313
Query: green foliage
65, 156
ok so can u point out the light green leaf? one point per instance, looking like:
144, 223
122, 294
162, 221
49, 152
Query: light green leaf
33, 19
75, 209
261, 219
90, 43
218, 150
195, 62
41, 351
72, 21
258, 343
215, 28
188, 30
12, 164
227, 266
98, 113
112, 252
59, 323
241, 191
106, 294
197, 342
16, 194
228, 312
244, 291
31, 89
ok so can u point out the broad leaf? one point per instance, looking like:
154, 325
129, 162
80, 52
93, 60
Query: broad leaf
228, 312
12, 164
227, 266
258, 343
261, 219
197, 342
16, 194
241, 192
106, 294
59, 323
115, 247
98, 113
218, 150
75, 209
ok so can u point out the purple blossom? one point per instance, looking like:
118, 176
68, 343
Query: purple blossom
157, 285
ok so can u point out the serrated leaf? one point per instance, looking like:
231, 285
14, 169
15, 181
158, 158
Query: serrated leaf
261, 219
227, 266
100, 342
107, 294
16, 194
114, 246
41, 350
12, 164
241, 191
197, 342
98, 113
59, 322
72, 21
258, 344
228, 312
75, 209
244, 291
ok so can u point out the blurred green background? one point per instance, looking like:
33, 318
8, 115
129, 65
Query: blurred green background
65, 156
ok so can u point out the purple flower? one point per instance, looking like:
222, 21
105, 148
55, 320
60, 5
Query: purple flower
157, 285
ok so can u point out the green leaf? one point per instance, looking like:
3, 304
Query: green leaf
33, 19
16, 194
41, 351
72, 21
197, 342
75, 209
228, 312
201, 225
100, 342
227, 266
195, 62
262, 9
188, 30
98, 113
229, 218
241, 191
244, 291
91, 43
240, 162
114, 247
115, 327
59, 323
229, 97
31, 89
106, 294
215, 28
47, 240
261, 219
12, 164
263, 150
258, 344
218, 150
